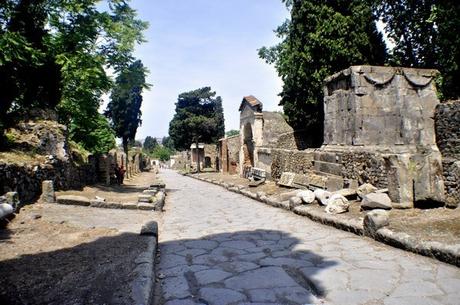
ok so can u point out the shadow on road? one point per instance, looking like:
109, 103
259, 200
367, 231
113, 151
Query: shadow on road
261, 266
98, 272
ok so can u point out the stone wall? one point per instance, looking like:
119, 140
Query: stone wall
295, 161
27, 179
447, 122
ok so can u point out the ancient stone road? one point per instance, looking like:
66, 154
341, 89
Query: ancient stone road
218, 247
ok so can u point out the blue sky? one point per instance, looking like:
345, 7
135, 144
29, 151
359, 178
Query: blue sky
196, 43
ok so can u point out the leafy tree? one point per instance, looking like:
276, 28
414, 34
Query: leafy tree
168, 143
198, 118
321, 38
150, 143
162, 153
232, 133
124, 108
99, 138
426, 35
54, 53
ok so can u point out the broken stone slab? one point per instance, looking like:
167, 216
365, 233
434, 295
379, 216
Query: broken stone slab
145, 206
286, 179
376, 201
294, 202
374, 220
73, 200
322, 196
348, 193
307, 196
337, 204
145, 198
234, 189
48, 194
6, 210
365, 189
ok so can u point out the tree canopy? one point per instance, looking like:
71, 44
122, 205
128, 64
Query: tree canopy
426, 35
124, 108
319, 39
199, 117
54, 55
150, 143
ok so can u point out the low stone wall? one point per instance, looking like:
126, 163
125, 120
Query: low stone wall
295, 161
26, 180
451, 168
364, 167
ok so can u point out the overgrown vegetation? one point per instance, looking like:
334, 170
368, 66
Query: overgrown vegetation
54, 56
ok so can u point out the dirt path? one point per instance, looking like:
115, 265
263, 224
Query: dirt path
57, 254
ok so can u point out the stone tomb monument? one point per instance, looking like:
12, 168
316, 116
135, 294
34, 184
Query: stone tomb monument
383, 117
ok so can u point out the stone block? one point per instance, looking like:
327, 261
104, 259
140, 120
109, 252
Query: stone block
376, 201
334, 183
73, 200
145, 198
294, 202
5, 210
12, 198
150, 228
48, 194
365, 189
145, 206
330, 168
337, 204
375, 220
151, 192
286, 179
129, 205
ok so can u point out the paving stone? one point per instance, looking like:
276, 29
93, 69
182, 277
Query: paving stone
211, 276
416, 289
221, 296
175, 287
201, 244
266, 277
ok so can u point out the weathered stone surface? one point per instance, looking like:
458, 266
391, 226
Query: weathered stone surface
261, 194
337, 204
145, 206
322, 196
73, 200
307, 196
376, 201
150, 228
145, 198
375, 220
294, 202
12, 198
288, 195
365, 189
286, 179
48, 194
5, 210
151, 192
348, 193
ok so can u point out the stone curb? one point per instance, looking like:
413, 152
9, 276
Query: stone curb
156, 206
446, 253
143, 285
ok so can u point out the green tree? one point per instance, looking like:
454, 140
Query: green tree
124, 108
198, 118
150, 143
99, 138
162, 153
54, 53
321, 38
232, 133
168, 143
426, 35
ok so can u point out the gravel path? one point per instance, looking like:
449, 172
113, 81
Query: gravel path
218, 247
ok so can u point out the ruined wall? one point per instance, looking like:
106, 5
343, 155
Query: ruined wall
447, 118
26, 179
290, 161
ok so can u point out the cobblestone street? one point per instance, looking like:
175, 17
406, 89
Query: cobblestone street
218, 247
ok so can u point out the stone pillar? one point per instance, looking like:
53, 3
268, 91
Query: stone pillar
48, 194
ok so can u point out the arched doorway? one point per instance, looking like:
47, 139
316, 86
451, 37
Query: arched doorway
248, 146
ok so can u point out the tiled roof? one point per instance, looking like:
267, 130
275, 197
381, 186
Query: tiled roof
252, 101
